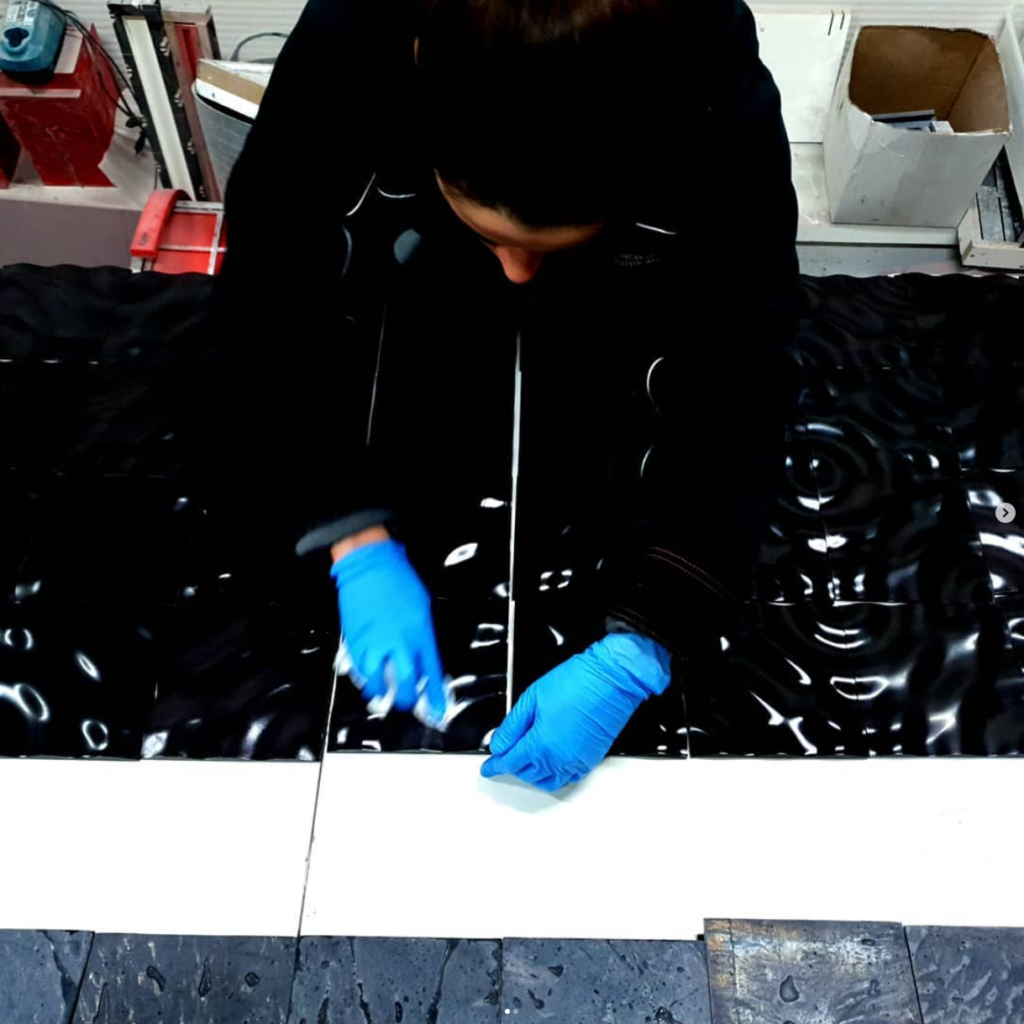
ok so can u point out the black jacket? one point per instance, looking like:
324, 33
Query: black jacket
652, 393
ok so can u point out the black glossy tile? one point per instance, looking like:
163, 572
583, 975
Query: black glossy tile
897, 541
848, 325
40, 974
1003, 542
464, 561
185, 978
809, 973
85, 419
889, 424
969, 974
452, 487
240, 680
793, 563
987, 409
59, 312
557, 616
605, 980
969, 321
133, 420
1012, 608
935, 680
76, 680
19, 512
246, 655
410, 981
473, 642
110, 540
786, 688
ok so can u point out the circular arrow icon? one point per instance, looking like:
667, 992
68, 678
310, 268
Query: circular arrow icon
1006, 513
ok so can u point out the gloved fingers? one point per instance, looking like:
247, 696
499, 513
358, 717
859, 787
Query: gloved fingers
432, 705
373, 685
516, 761
546, 783
407, 678
517, 723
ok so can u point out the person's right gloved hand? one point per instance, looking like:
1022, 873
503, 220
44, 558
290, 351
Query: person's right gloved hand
388, 631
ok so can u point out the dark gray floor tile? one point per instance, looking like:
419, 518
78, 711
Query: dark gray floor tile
796, 972
587, 981
40, 973
408, 981
969, 975
169, 978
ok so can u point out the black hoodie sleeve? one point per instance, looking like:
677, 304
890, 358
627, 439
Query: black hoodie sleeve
725, 394
297, 322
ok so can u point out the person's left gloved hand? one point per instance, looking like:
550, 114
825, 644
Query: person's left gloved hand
562, 727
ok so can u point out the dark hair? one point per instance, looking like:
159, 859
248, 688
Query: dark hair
538, 108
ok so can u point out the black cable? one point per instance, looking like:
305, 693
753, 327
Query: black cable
96, 48
259, 35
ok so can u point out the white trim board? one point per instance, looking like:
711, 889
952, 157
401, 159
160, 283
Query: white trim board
422, 846
167, 847
419, 844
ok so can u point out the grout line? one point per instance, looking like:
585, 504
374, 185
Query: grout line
913, 974
316, 809
376, 376
81, 981
516, 419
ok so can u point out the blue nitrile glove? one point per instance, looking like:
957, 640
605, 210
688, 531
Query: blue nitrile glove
388, 632
562, 727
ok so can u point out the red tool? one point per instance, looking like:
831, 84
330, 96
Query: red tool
65, 126
177, 236
10, 150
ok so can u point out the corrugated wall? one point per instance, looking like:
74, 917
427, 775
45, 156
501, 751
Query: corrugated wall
238, 18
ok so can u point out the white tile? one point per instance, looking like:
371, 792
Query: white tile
165, 847
420, 845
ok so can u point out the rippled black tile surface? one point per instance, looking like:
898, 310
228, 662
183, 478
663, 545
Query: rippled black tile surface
465, 564
116, 540
914, 394
411, 981
1002, 539
40, 974
246, 654
968, 974
848, 326
793, 562
895, 512
963, 321
452, 473
986, 404
809, 972
605, 980
934, 679
200, 980
784, 688
76, 679
886, 423
913, 543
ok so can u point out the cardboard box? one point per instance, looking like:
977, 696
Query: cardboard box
880, 174
247, 82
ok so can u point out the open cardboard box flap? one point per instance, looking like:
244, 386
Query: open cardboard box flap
955, 73
881, 174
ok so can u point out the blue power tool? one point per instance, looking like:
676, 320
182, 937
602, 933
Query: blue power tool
31, 40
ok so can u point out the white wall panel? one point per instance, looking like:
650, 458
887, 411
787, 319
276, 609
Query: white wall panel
238, 18
235, 18
986, 15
